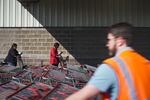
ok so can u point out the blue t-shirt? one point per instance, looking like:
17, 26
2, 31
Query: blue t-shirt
105, 80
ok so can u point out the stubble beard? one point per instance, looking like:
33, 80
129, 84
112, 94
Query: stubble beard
112, 52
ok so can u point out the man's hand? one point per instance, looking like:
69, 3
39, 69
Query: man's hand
60, 53
86, 93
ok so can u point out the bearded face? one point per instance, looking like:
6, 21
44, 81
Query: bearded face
111, 44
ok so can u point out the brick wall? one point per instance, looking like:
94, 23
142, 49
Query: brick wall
83, 45
35, 44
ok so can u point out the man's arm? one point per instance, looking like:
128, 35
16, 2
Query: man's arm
12, 52
53, 52
102, 80
85, 93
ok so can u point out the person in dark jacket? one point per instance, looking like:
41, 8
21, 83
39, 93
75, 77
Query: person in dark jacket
11, 58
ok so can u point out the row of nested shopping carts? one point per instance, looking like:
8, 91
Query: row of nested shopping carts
42, 83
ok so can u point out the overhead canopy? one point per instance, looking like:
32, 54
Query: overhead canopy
28, 1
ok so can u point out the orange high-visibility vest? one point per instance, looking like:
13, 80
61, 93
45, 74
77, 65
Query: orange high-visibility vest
133, 73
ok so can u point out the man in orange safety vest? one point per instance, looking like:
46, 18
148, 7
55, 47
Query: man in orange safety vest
125, 76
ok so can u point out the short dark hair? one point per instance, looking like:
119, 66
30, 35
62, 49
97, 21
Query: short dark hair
124, 30
14, 45
56, 44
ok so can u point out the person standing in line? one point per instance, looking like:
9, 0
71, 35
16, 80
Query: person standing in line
125, 76
54, 60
